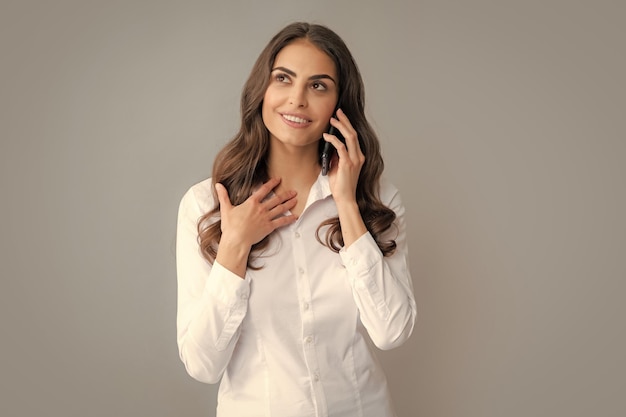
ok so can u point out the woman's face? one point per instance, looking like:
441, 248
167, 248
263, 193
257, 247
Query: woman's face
301, 95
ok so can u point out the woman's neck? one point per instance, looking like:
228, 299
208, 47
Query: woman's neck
298, 169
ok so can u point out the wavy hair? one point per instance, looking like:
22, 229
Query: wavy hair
241, 165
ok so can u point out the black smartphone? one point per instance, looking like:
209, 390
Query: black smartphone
328, 149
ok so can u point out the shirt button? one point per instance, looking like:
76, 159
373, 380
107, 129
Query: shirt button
308, 339
301, 271
297, 234
316, 377
305, 306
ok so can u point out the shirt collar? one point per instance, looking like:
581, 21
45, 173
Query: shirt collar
320, 188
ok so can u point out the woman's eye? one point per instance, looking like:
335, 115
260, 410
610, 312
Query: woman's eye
281, 78
319, 86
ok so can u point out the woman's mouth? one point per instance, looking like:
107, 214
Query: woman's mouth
295, 120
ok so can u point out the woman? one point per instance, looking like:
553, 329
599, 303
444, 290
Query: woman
286, 276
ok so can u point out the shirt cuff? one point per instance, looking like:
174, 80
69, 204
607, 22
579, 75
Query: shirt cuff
363, 262
362, 254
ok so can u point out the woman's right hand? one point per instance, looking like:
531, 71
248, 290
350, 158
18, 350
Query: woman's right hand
249, 222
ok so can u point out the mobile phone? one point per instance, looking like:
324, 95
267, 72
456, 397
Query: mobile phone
328, 149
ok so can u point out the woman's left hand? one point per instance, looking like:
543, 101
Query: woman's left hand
347, 163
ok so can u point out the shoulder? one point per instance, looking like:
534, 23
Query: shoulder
388, 192
390, 196
200, 196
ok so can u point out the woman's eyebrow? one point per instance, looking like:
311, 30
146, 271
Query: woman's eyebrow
312, 77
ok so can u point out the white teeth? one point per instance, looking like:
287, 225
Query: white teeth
294, 119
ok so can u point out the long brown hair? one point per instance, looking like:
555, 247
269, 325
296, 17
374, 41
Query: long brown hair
241, 165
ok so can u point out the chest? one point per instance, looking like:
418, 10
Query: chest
300, 279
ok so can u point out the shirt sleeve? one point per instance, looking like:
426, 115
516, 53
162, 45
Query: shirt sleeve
382, 286
212, 301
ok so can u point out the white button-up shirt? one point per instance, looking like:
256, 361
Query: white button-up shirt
295, 337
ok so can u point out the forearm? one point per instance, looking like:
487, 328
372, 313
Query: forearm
352, 225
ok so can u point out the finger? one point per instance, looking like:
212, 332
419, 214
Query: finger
222, 195
344, 157
266, 188
343, 124
341, 116
348, 132
282, 208
337, 144
283, 221
279, 199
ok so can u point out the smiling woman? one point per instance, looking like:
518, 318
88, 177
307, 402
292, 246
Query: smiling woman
285, 275
300, 99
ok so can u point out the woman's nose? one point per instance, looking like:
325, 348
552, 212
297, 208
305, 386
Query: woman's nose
298, 97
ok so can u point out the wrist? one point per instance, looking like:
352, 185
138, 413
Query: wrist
234, 245
233, 255
349, 201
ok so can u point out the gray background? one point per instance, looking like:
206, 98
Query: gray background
502, 123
